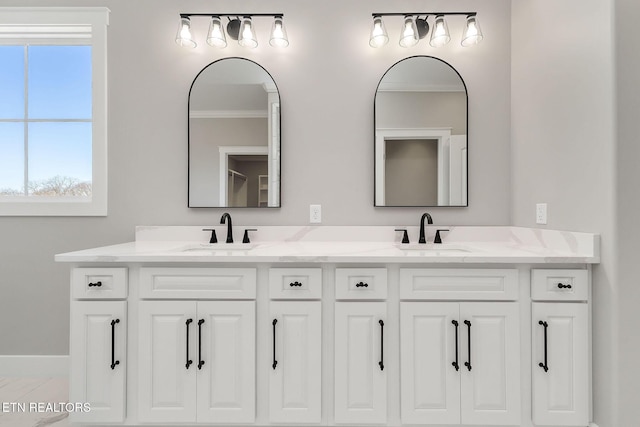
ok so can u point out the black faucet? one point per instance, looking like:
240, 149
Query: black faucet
226, 217
430, 221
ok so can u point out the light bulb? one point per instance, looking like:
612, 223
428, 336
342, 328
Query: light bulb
247, 36
472, 33
278, 33
409, 33
216, 36
379, 35
184, 37
440, 33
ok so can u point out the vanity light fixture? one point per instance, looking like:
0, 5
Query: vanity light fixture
240, 27
415, 29
184, 37
379, 36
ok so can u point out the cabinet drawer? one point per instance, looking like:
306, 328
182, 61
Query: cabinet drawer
295, 283
559, 285
459, 284
361, 283
198, 283
99, 283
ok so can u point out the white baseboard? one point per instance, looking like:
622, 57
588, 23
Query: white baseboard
593, 425
34, 366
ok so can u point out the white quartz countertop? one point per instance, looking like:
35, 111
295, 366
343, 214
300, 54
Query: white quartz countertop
345, 244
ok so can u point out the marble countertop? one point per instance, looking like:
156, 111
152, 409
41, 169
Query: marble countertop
344, 244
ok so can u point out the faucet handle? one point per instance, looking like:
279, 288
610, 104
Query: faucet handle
214, 238
405, 235
245, 239
437, 239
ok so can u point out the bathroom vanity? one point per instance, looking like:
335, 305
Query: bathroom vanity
334, 326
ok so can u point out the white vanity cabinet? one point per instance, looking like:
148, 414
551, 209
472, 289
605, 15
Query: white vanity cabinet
197, 361
295, 380
460, 361
98, 338
295, 347
360, 387
231, 338
197, 350
560, 348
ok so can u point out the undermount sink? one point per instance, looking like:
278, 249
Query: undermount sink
432, 247
209, 247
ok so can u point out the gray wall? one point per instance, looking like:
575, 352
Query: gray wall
327, 79
563, 153
627, 34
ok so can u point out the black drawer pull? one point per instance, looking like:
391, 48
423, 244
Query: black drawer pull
563, 286
381, 362
295, 284
275, 362
200, 361
97, 284
455, 364
362, 285
468, 362
114, 362
544, 365
189, 361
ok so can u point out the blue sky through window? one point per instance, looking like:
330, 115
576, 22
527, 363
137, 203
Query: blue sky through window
59, 88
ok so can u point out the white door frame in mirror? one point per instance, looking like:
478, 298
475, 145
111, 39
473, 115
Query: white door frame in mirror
225, 152
442, 135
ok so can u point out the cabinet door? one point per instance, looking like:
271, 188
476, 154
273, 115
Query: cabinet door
360, 377
296, 371
167, 332
430, 382
226, 382
490, 368
561, 392
95, 377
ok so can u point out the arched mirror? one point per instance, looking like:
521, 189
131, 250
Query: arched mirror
420, 120
234, 136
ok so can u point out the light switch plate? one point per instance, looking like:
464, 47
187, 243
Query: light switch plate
541, 213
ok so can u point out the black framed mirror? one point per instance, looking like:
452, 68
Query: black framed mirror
421, 128
234, 136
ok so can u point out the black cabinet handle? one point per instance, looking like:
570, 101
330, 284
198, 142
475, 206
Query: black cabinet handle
97, 284
189, 361
114, 362
362, 285
381, 362
200, 361
295, 284
275, 362
544, 365
468, 362
563, 286
455, 364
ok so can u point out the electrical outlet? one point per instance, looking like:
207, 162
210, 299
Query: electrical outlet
541, 213
315, 214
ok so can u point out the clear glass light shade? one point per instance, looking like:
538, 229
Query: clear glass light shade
215, 36
247, 36
278, 33
184, 37
409, 34
440, 33
379, 36
472, 33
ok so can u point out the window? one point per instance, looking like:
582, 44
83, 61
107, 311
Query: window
53, 146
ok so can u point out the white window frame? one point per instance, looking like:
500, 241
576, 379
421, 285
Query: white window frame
20, 25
